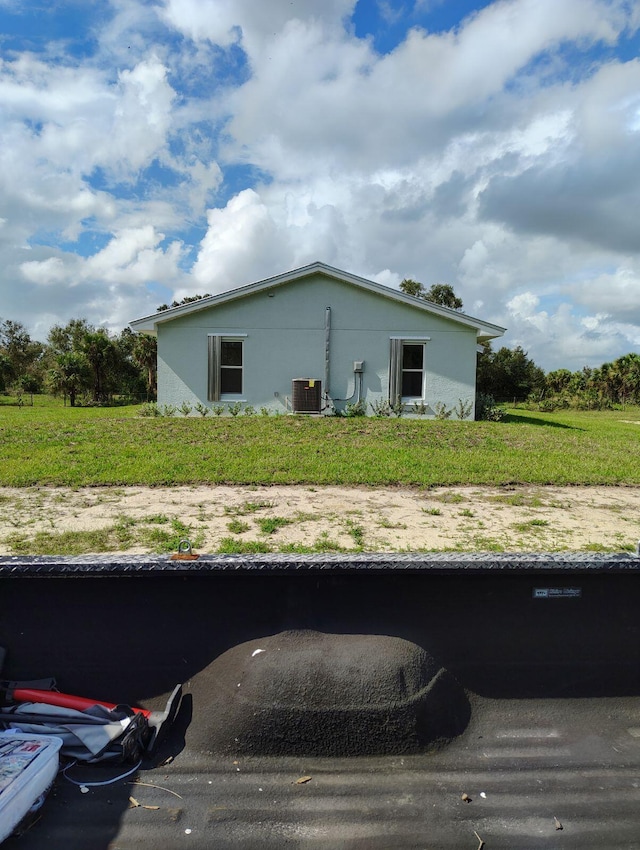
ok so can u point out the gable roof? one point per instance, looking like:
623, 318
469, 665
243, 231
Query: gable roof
149, 324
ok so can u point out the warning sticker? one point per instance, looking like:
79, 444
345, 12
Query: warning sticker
557, 592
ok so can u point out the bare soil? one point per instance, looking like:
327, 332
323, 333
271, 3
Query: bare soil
519, 518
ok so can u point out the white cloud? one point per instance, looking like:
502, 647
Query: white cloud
608, 110
224, 261
142, 116
223, 22
63, 123
111, 286
339, 104
614, 294
44, 272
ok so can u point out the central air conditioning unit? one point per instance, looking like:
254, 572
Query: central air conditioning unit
306, 395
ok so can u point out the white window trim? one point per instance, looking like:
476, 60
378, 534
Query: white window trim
423, 391
396, 380
214, 342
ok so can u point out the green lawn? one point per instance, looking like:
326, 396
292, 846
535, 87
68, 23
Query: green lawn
54, 445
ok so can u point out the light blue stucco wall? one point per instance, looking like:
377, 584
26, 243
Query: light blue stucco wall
285, 339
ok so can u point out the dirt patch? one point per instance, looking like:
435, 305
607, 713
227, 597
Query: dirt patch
329, 518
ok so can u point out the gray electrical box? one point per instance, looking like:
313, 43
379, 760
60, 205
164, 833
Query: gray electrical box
358, 365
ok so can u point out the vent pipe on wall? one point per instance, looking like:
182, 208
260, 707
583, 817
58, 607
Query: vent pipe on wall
327, 349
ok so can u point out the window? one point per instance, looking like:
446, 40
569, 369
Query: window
225, 367
231, 366
412, 369
407, 369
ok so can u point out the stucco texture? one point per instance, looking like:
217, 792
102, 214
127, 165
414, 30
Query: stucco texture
284, 336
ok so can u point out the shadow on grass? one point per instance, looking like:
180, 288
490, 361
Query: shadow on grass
519, 418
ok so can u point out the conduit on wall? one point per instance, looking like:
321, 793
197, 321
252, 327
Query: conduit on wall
327, 349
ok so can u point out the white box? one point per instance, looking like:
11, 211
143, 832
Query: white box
28, 766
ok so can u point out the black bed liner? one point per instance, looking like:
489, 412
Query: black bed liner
547, 647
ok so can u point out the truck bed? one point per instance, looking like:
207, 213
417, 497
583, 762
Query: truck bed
545, 647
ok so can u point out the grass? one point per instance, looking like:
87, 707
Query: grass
356, 532
517, 500
123, 534
233, 546
48, 444
53, 445
247, 508
270, 524
237, 526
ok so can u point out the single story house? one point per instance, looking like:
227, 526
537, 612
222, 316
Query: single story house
315, 340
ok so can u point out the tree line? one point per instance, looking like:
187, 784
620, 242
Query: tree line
510, 375
78, 361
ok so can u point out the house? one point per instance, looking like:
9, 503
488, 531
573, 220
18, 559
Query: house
315, 340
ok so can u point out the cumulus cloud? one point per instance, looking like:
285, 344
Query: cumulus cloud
45, 272
63, 125
111, 282
315, 96
141, 118
223, 260
615, 295
226, 21
560, 338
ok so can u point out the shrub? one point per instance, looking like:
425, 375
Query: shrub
380, 408
202, 409
592, 400
150, 409
185, 408
548, 405
487, 410
463, 408
356, 408
442, 411
397, 408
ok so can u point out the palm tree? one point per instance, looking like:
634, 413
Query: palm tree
70, 375
628, 367
145, 354
101, 355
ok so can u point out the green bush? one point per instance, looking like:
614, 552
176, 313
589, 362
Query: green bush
356, 408
463, 408
487, 409
442, 411
380, 408
150, 409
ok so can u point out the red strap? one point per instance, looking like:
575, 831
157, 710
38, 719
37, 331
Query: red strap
65, 700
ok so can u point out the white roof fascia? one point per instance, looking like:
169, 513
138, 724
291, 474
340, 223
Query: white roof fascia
149, 324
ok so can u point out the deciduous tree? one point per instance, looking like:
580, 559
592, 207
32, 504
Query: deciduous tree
440, 293
508, 374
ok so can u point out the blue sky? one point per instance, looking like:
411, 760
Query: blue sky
152, 149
